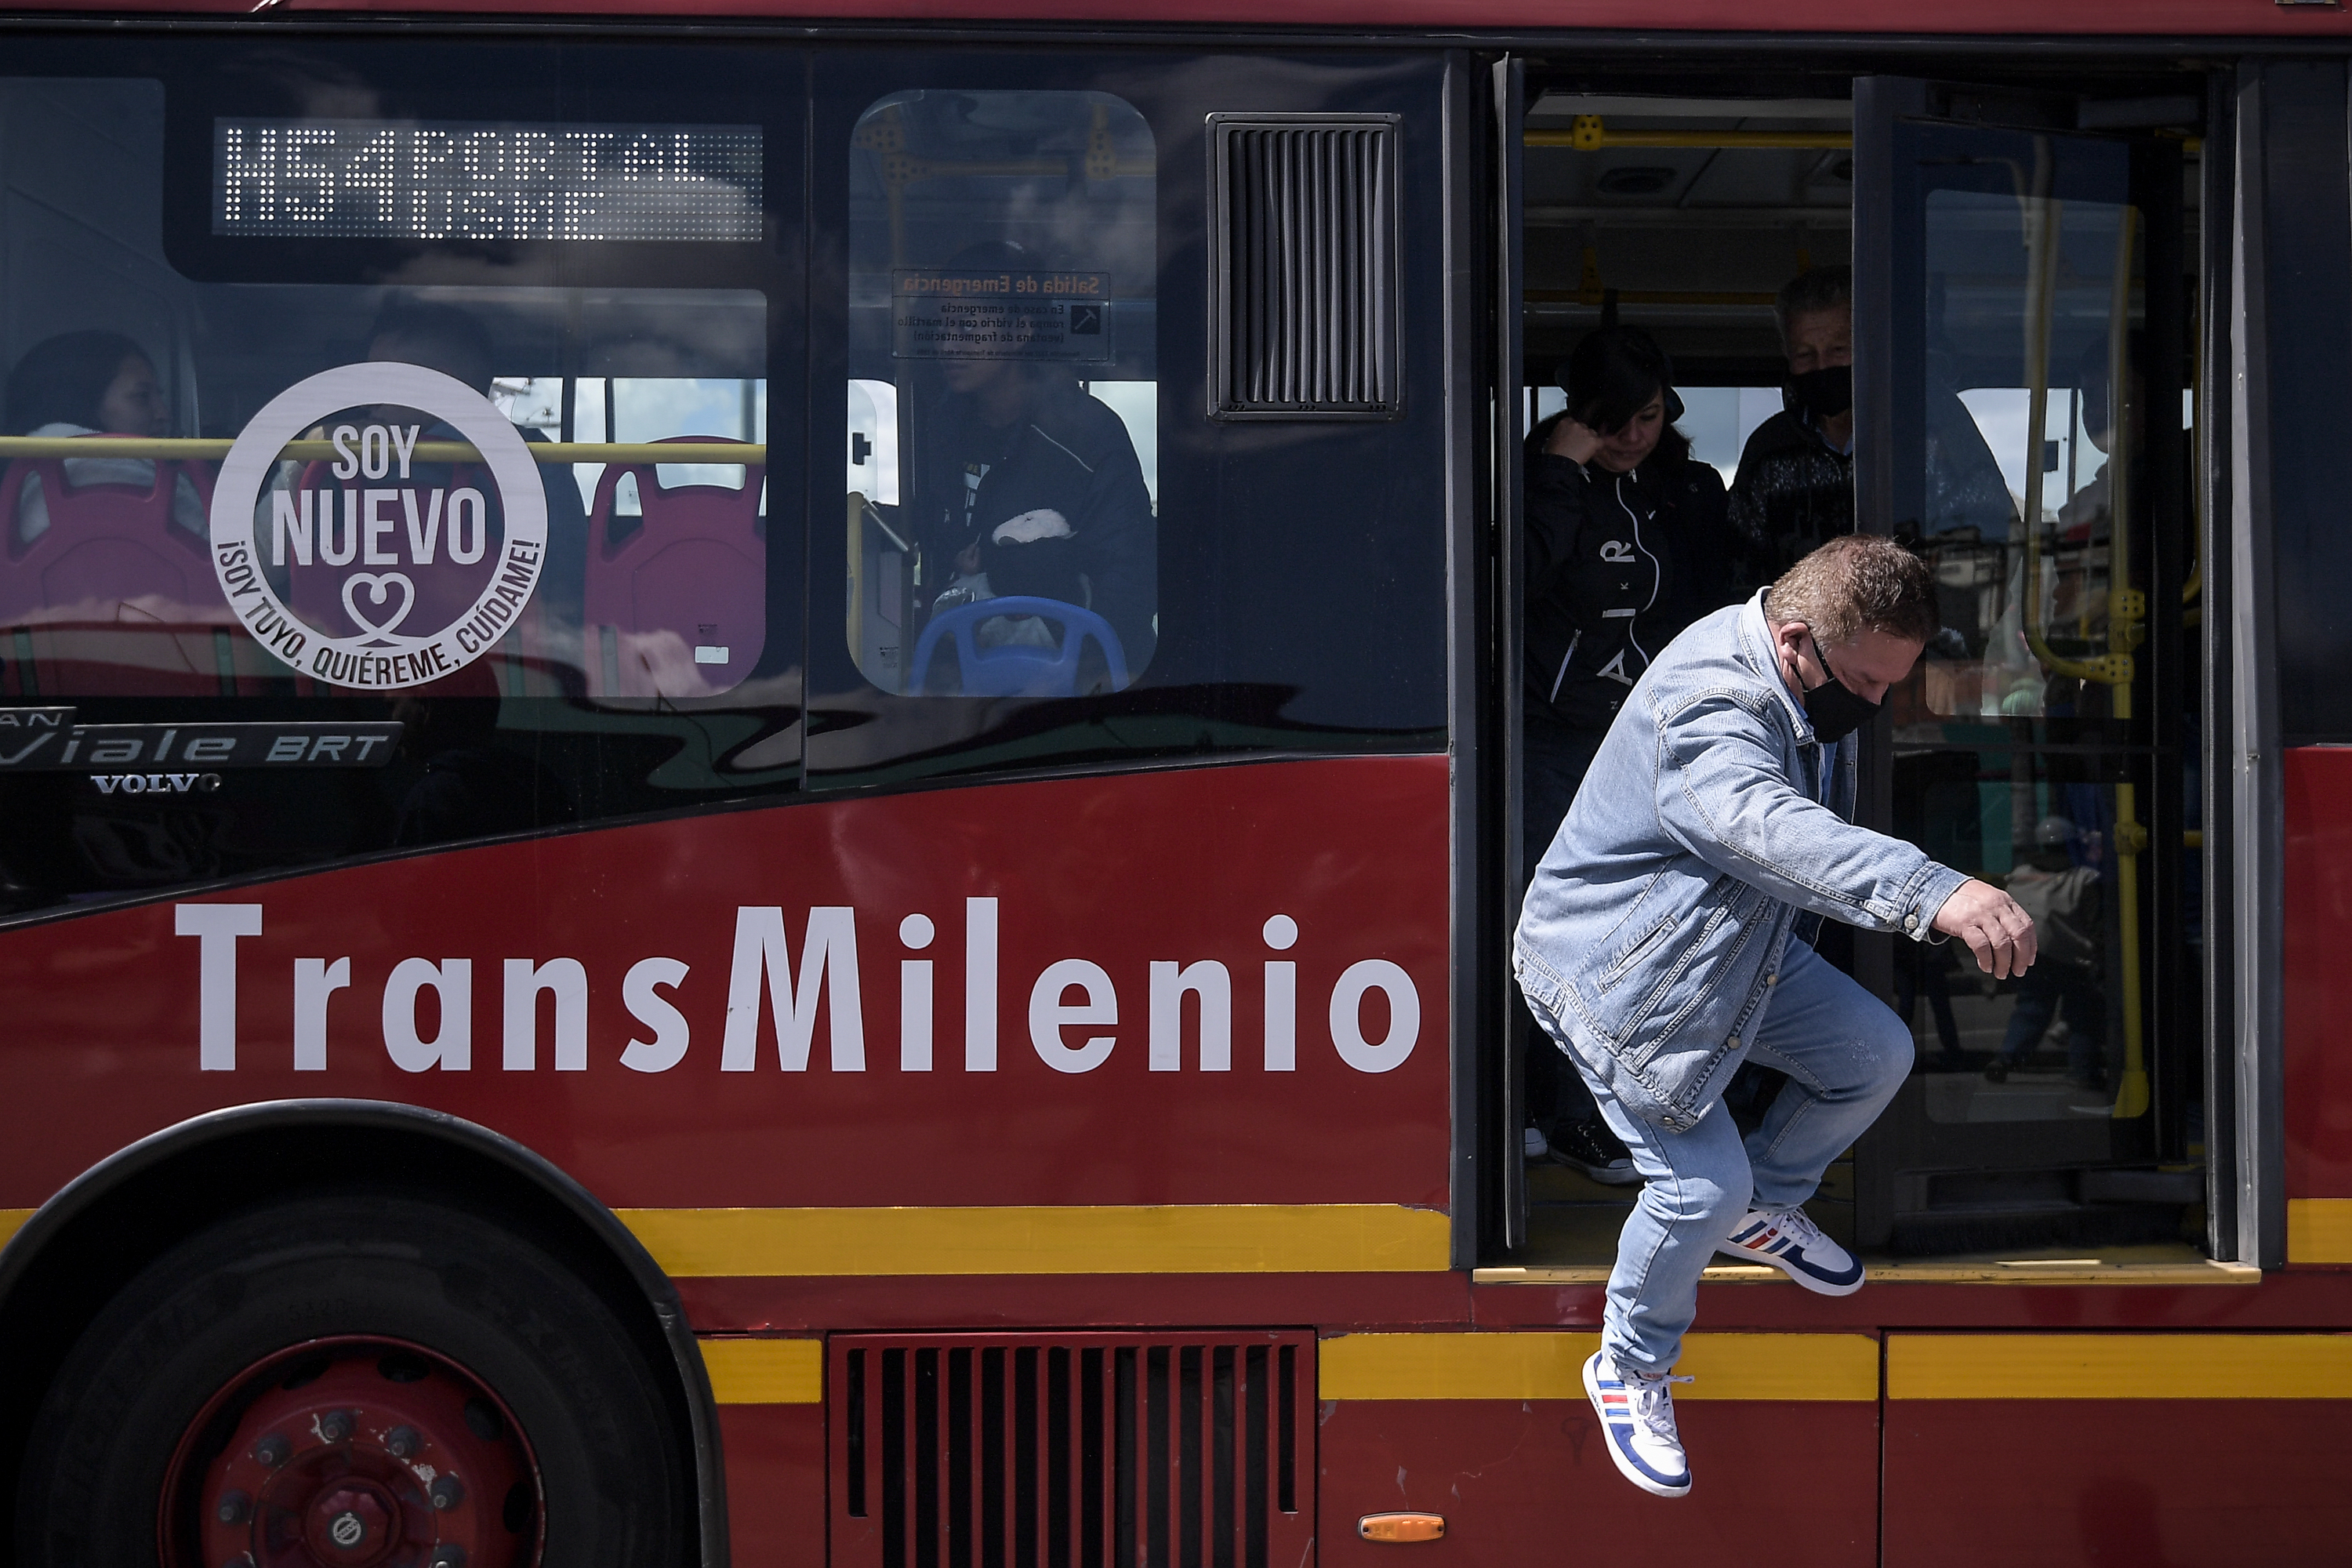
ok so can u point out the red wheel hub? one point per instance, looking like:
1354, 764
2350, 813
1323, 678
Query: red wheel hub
353, 1454
353, 1522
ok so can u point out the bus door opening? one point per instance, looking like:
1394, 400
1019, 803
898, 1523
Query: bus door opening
1667, 228
1945, 376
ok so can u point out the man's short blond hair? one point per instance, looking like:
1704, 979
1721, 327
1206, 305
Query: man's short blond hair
1855, 584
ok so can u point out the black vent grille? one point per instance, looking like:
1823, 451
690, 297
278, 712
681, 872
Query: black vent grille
1303, 243
1072, 1450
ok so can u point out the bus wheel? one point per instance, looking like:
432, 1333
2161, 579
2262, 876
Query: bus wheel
356, 1381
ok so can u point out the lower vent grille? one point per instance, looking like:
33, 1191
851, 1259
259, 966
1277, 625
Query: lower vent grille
1090, 1450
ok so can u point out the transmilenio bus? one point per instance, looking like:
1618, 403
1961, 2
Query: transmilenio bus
592, 977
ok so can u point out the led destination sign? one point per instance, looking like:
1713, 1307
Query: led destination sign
378, 179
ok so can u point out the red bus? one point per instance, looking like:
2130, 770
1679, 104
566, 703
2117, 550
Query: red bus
590, 980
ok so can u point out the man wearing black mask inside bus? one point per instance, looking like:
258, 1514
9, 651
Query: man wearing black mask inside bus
1626, 545
1794, 490
1031, 487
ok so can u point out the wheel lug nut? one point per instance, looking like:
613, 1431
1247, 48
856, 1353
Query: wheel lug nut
273, 1450
448, 1557
234, 1508
335, 1425
402, 1442
447, 1493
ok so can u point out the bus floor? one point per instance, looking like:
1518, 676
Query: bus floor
1573, 1221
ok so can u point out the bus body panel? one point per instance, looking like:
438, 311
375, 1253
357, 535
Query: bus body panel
2047, 1483
1106, 878
2318, 1002
1527, 1479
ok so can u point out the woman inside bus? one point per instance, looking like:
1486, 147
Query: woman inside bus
90, 383
1626, 545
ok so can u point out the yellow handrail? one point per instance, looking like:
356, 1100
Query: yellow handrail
1586, 133
2126, 608
2041, 220
211, 448
2125, 605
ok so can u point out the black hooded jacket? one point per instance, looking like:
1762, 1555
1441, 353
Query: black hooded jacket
1069, 469
1793, 494
1617, 566
1795, 491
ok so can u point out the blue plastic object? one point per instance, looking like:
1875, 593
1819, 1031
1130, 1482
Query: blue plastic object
1017, 670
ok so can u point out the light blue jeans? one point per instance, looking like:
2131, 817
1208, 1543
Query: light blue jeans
1845, 1055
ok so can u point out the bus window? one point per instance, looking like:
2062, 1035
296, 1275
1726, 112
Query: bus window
2029, 615
1002, 275
357, 492
2038, 463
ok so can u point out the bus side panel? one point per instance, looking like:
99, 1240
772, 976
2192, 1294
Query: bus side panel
775, 1484
741, 1033
2027, 1483
2318, 1002
1522, 1481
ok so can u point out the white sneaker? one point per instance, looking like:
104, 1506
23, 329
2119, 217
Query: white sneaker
1637, 1417
1790, 1241
1531, 1141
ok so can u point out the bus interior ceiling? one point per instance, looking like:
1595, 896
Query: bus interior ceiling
1684, 215
1689, 243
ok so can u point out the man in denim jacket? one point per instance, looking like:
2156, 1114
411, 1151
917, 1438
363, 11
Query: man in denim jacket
1660, 948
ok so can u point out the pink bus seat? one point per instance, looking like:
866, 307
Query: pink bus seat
114, 598
680, 608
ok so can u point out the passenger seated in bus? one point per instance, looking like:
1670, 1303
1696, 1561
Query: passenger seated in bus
1032, 487
2066, 899
1626, 545
90, 383
1794, 489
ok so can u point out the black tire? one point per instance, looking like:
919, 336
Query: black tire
613, 1477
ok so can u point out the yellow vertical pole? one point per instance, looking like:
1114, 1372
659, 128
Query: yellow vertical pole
2124, 611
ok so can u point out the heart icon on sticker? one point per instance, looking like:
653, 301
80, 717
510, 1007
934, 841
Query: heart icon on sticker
379, 589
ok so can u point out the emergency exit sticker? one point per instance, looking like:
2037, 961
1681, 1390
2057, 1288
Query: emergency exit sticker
395, 570
1034, 315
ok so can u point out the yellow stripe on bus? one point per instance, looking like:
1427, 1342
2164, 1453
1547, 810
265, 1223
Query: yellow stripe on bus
2319, 1230
1203, 1239
765, 1372
11, 1221
2119, 1366
1543, 1365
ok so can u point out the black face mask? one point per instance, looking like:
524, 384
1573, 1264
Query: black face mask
1824, 393
1836, 710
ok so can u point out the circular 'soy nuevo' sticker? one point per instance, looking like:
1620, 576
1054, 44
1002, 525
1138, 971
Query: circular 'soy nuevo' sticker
393, 571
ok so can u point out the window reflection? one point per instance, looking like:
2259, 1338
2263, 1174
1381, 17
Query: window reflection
1002, 459
2029, 315
2053, 830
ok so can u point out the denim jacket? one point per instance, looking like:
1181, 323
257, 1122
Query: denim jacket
1654, 930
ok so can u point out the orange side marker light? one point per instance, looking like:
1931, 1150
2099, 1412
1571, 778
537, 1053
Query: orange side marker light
1399, 1527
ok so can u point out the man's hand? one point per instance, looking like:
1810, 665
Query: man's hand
1997, 929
